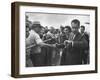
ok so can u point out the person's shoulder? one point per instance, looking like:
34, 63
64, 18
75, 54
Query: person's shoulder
86, 33
79, 35
33, 33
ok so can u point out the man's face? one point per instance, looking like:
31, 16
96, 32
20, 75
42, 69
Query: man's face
75, 27
38, 30
82, 30
52, 30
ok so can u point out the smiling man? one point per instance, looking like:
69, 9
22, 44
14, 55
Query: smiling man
74, 46
35, 43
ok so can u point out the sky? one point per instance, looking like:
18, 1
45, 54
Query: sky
56, 20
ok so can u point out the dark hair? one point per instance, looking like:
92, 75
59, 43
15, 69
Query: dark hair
83, 27
76, 21
28, 25
62, 28
69, 28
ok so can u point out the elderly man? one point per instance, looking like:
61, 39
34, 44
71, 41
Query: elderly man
74, 46
35, 43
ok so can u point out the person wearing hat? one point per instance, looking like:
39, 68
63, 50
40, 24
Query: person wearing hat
35, 43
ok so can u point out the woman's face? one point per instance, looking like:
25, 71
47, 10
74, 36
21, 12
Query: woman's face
66, 30
82, 30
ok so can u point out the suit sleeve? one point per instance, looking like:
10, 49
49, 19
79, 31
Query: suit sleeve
82, 43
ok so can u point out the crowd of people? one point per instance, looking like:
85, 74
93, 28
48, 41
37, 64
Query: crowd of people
68, 45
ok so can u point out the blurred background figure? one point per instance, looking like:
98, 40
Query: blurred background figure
28, 21
61, 37
28, 60
86, 51
27, 29
82, 31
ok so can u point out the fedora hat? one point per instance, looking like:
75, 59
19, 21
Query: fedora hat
36, 24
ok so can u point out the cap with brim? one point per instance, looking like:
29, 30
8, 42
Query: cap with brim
36, 24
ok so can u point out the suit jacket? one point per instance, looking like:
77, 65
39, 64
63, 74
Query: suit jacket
72, 54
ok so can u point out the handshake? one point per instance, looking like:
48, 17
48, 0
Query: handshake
62, 45
67, 42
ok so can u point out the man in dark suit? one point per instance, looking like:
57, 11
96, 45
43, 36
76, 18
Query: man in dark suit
74, 46
85, 51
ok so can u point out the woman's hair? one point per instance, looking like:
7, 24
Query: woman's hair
69, 28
